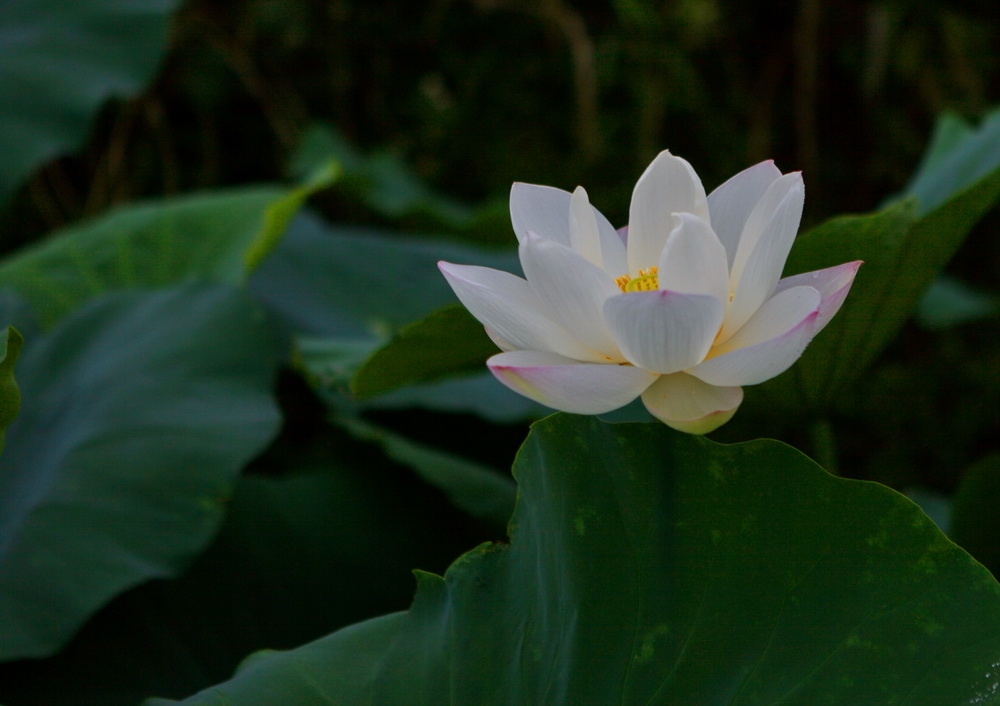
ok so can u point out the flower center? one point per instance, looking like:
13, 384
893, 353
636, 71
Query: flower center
646, 281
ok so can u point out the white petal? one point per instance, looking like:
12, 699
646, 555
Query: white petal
690, 405
571, 291
593, 236
613, 250
693, 260
778, 315
732, 202
568, 385
767, 238
508, 307
833, 284
540, 209
664, 331
769, 343
500, 343
547, 211
583, 233
669, 185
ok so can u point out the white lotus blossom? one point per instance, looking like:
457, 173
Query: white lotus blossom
682, 307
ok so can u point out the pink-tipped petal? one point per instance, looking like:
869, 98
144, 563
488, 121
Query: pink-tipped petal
664, 331
769, 343
687, 404
508, 307
732, 202
669, 185
778, 315
693, 260
571, 290
767, 238
568, 385
833, 284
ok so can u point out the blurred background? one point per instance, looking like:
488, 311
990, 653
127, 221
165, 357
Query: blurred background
472, 95
432, 108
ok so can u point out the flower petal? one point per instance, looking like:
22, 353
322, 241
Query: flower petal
732, 202
693, 260
569, 385
540, 209
664, 331
583, 234
767, 238
833, 284
769, 342
690, 405
669, 185
545, 210
571, 291
779, 314
508, 307
500, 343
593, 236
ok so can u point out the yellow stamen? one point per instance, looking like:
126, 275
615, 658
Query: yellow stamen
645, 281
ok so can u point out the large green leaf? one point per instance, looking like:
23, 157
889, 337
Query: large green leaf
342, 282
870, 316
138, 413
951, 302
649, 567
59, 62
477, 489
346, 292
904, 248
447, 342
284, 569
957, 157
219, 236
975, 524
10, 395
383, 181
349, 296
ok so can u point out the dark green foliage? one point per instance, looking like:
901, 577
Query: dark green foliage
155, 525
10, 395
975, 523
134, 425
60, 61
423, 351
217, 236
648, 567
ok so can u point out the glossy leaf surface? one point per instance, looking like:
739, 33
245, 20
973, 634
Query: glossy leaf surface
447, 342
138, 413
975, 524
218, 236
649, 567
344, 293
60, 61
904, 248
475, 488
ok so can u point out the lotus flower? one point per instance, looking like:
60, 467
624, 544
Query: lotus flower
682, 307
